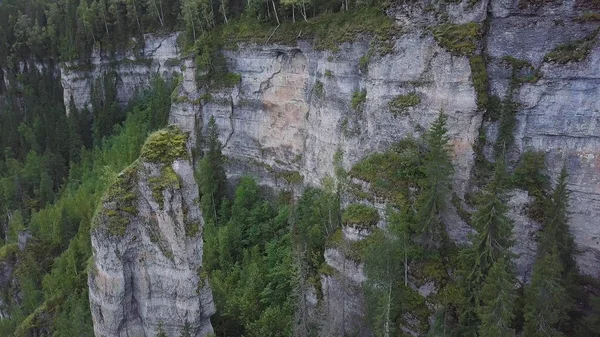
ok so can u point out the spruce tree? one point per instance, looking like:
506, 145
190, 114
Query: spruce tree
491, 244
497, 297
556, 226
211, 175
494, 229
547, 301
438, 172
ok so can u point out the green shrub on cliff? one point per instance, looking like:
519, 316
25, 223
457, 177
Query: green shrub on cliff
166, 146
360, 215
460, 40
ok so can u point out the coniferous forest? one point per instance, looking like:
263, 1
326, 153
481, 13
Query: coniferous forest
262, 250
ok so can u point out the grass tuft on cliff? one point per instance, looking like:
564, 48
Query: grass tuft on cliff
401, 103
360, 215
459, 40
165, 146
575, 51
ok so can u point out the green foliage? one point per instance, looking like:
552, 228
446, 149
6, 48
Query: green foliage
328, 31
318, 89
394, 174
498, 297
508, 120
401, 103
459, 40
575, 51
556, 235
248, 258
51, 277
547, 301
360, 215
494, 229
118, 203
166, 146
587, 17
328, 73
530, 176
211, 175
479, 77
358, 100
438, 171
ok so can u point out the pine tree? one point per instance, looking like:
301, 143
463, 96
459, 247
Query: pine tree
212, 175
439, 171
547, 301
497, 298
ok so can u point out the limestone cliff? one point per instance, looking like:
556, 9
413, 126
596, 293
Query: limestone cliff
295, 107
147, 245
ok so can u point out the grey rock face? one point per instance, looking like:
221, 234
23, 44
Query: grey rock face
559, 114
134, 72
149, 276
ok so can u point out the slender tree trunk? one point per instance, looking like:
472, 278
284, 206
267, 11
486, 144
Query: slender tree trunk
224, 9
137, 17
388, 311
294, 13
405, 262
159, 11
162, 14
303, 11
275, 11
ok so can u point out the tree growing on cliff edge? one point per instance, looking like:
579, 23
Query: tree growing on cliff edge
211, 175
438, 172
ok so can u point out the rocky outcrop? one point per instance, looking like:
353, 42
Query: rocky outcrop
147, 248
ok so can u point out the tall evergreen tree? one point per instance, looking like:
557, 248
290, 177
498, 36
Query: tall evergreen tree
494, 229
498, 298
211, 176
547, 301
556, 232
491, 244
438, 171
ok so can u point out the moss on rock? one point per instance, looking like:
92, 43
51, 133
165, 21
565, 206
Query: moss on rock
118, 203
401, 103
575, 51
459, 40
166, 146
167, 179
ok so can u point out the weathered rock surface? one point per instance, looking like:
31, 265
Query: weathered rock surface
134, 71
558, 114
147, 260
